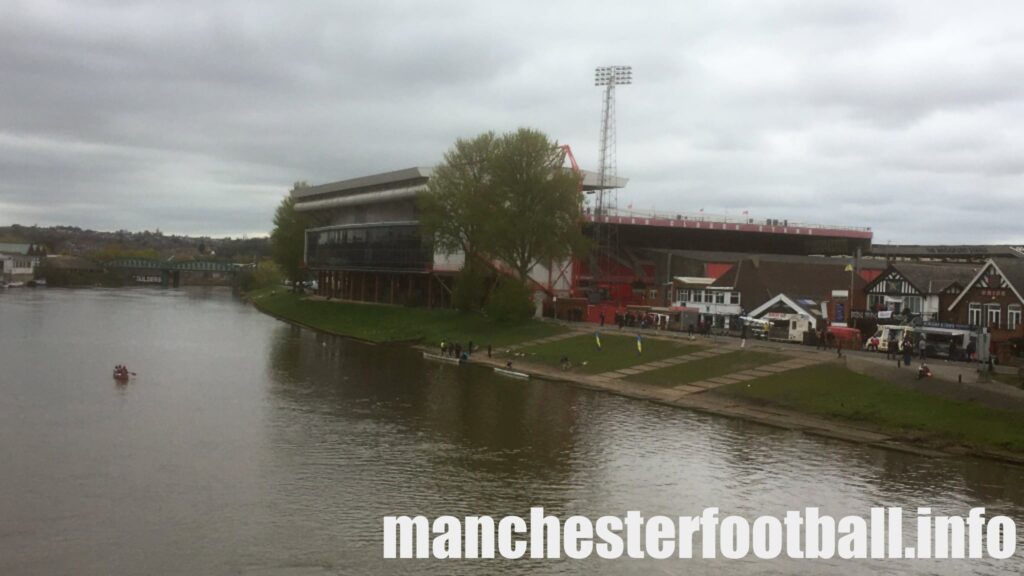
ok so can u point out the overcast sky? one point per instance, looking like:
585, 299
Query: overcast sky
196, 117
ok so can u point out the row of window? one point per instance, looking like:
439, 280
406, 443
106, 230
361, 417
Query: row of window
993, 315
389, 235
689, 296
397, 246
896, 303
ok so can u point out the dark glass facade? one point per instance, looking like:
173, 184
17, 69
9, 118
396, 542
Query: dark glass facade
393, 247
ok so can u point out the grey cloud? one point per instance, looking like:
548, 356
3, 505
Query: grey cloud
197, 116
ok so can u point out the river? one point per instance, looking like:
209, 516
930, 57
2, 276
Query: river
245, 445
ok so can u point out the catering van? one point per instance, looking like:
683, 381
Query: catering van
879, 341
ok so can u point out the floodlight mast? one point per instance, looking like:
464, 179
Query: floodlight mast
609, 77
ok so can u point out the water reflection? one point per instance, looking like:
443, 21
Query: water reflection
247, 445
463, 441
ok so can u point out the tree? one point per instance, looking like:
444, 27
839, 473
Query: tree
454, 211
536, 203
288, 238
506, 199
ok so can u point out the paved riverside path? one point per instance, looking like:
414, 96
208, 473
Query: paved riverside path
744, 375
665, 363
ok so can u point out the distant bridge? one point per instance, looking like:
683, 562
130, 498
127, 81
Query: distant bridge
170, 270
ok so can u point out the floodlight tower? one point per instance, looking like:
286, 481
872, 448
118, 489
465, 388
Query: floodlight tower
609, 77
605, 235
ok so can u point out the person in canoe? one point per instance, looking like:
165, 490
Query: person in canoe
121, 372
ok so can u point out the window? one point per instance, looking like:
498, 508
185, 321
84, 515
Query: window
1013, 316
719, 297
734, 298
915, 303
683, 295
974, 314
698, 295
992, 313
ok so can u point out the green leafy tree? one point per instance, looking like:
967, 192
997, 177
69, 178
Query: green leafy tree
455, 210
288, 238
505, 199
535, 203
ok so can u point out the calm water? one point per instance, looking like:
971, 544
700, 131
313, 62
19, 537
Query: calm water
248, 446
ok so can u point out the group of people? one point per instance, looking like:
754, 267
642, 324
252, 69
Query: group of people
121, 372
631, 320
455, 350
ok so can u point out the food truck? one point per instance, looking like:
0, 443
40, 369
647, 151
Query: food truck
879, 341
945, 340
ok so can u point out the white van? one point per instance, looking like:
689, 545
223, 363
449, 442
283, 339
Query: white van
880, 340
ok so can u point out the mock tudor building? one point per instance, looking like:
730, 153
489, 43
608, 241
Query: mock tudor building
920, 288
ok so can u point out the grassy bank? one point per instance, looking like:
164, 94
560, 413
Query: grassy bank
834, 391
617, 352
380, 323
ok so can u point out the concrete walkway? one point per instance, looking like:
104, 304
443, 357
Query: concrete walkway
745, 375
665, 363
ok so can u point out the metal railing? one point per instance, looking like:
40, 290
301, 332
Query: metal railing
720, 218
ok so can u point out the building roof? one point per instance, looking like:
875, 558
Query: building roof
803, 307
384, 180
405, 177
714, 256
934, 277
692, 280
1013, 270
795, 279
959, 251
13, 248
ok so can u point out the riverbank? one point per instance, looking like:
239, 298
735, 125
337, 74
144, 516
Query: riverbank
783, 386
817, 399
379, 323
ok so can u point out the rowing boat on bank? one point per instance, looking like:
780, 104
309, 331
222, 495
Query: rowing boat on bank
439, 358
512, 373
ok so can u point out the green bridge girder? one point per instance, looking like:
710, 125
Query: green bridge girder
179, 266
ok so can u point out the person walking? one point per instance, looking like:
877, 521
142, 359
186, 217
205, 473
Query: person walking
908, 351
602, 319
743, 336
922, 347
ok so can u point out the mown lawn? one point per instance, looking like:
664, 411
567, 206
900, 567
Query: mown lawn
705, 368
382, 323
830, 390
617, 351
